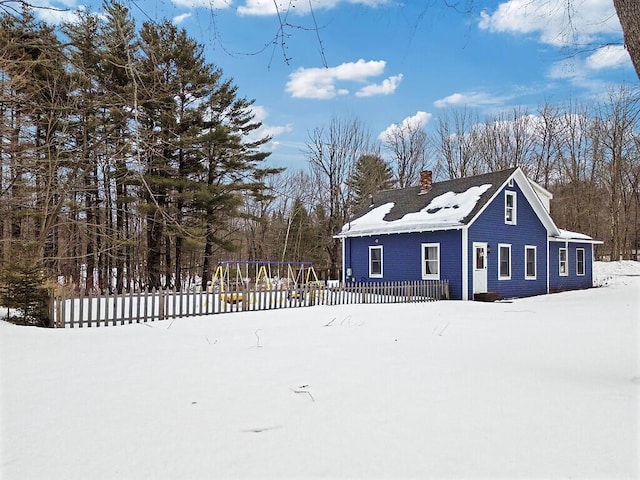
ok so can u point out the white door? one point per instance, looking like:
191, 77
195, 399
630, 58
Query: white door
479, 267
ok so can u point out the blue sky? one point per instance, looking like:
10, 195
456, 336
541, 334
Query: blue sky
386, 62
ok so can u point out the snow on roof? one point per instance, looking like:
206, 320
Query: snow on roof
566, 234
444, 211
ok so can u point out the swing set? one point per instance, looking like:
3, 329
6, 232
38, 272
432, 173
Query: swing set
260, 276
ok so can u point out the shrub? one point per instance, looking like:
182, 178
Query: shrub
23, 286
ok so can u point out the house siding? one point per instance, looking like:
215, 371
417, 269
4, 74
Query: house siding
571, 281
402, 257
490, 227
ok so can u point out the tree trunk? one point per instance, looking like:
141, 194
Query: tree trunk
629, 16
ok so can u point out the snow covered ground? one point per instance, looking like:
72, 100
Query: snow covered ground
546, 387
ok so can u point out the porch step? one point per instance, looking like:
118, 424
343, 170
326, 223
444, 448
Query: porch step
485, 297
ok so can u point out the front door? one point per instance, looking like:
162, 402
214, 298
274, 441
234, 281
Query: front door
479, 267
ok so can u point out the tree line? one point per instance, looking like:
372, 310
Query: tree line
129, 162
124, 154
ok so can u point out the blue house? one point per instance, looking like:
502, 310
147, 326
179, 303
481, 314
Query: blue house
488, 234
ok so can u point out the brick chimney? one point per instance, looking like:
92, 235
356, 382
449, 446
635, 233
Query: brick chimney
426, 180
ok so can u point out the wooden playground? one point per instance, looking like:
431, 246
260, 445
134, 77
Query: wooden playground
254, 282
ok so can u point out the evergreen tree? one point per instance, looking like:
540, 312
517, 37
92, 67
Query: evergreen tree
231, 165
23, 285
88, 131
178, 80
118, 86
370, 175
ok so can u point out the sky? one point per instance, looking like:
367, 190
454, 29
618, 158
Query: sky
387, 63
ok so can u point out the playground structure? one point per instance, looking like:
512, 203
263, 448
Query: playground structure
232, 280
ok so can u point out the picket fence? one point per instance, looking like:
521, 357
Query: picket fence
93, 310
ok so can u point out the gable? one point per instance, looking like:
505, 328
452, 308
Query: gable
531, 197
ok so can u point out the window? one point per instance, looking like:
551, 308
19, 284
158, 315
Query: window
480, 258
504, 262
562, 260
431, 261
580, 261
375, 262
510, 207
530, 262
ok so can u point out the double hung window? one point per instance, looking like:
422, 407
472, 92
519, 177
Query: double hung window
530, 262
504, 261
375, 261
580, 261
563, 265
510, 211
431, 261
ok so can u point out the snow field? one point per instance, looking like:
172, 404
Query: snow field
545, 387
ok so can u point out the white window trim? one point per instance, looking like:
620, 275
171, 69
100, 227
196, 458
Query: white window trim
425, 275
583, 263
566, 261
376, 275
535, 262
506, 245
514, 216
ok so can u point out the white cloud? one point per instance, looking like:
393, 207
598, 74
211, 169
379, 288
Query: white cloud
566, 69
321, 82
419, 120
579, 71
271, 7
555, 22
222, 4
259, 115
273, 131
470, 99
181, 18
56, 12
611, 56
387, 87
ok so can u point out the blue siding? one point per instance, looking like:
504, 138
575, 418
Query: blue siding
402, 257
529, 230
402, 254
572, 281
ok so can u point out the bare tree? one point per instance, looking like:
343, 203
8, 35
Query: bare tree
456, 144
506, 140
408, 146
546, 149
618, 126
332, 152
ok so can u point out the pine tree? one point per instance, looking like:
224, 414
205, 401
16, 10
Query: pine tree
231, 165
371, 174
23, 285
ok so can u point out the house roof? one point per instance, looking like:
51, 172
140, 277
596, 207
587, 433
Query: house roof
446, 205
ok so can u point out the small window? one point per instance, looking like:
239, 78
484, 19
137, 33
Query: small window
480, 258
580, 261
530, 262
510, 208
431, 261
563, 265
375, 262
504, 262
